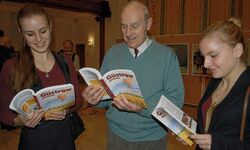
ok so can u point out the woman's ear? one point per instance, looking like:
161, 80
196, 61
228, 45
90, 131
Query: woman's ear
50, 24
238, 50
19, 30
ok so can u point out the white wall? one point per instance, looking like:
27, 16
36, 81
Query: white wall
90, 28
66, 25
112, 25
9, 25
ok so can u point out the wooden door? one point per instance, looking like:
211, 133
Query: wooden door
80, 50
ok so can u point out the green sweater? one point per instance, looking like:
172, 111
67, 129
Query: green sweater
158, 73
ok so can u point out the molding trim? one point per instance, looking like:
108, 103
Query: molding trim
182, 16
162, 16
205, 14
93, 6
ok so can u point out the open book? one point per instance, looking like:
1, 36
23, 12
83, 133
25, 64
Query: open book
48, 99
116, 83
175, 119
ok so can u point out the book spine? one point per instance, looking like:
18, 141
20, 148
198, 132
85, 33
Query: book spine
110, 93
38, 104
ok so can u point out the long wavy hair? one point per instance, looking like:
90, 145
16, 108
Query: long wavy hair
24, 74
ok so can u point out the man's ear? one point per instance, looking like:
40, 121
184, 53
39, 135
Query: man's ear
238, 50
149, 23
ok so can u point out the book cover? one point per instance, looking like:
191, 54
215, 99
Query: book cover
93, 77
49, 98
175, 119
119, 82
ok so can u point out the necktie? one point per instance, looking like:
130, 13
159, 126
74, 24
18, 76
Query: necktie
136, 52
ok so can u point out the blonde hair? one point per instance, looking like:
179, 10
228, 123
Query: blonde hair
230, 32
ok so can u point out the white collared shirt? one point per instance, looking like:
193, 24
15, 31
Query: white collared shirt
141, 48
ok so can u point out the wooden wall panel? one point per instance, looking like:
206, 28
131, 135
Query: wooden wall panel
206, 81
194, 85
154, 7
193, 13
246, 14
172, 16
218, 10
215, 10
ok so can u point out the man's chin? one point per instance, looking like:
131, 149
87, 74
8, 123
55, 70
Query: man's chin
132, 45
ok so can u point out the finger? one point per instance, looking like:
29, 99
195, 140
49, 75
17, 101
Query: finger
99, 97
119, 103
97, 93
94, 90
94, 95
38, 115
86, 91
134, 107
202, 142
130, 106
96, 98
55, 115
205, 147
200, 136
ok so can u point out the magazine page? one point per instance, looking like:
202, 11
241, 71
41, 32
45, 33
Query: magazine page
93, 77
23, 102
175, 119
90, 75
123, 82
56, 97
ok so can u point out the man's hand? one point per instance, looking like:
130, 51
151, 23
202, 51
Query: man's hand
93, 94
123, 104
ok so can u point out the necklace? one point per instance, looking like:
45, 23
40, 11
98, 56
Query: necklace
43, 66
44, 70
46, 74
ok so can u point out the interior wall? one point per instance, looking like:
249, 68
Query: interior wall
9, 24
86, 28
176, 21
66, 25
180, 21
112, 25
187, 27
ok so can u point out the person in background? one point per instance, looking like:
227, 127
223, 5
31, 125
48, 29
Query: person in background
5, 53
5, 41
224, 48
36, 67
157, 70
68, 47
1, 33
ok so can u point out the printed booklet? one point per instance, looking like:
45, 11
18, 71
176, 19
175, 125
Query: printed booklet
175, 119
49, 98
116, 83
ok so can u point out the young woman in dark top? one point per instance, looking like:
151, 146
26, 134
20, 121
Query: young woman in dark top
224, 48
36, 67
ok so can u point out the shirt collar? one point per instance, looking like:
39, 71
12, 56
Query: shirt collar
141, 48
